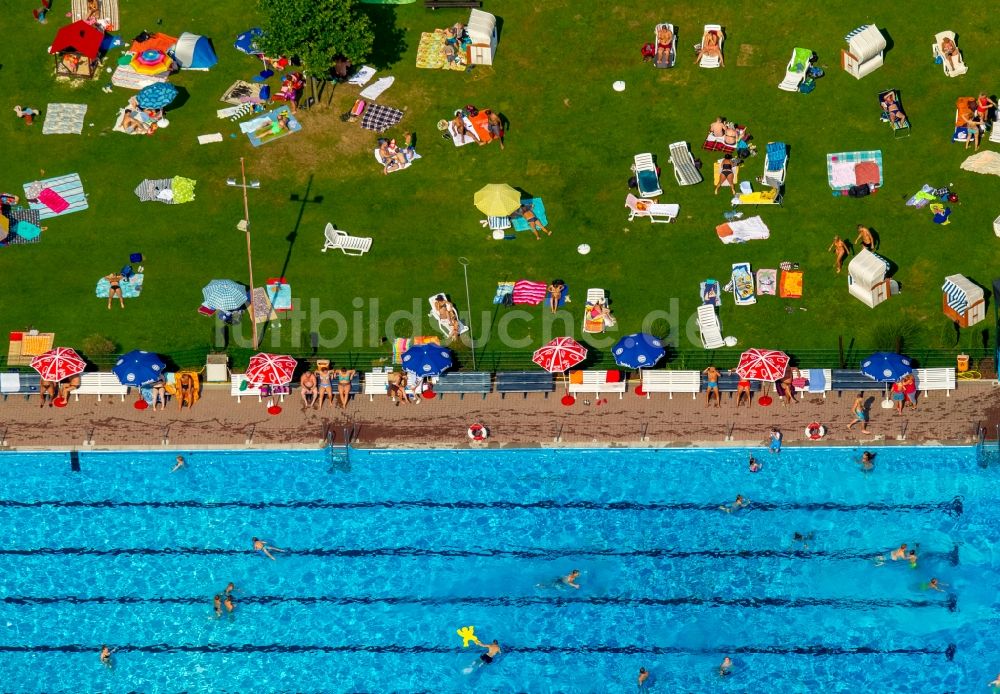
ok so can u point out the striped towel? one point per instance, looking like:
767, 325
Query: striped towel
68, 187
526, 292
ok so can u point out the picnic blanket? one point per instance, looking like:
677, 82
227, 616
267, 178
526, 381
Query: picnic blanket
124, 76
767, 282
401, 344
431, 53
172, 191
380, 118
23, 226
742, 230
131, 288
842, 169
374, 90
470, 136
362, 76
410, 158
504, 295
261, 130
241, 92
984, 163
531, 293
538, 207
791, 284
64, 119
56, 196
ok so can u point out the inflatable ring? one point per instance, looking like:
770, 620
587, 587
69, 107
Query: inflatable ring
815, 431
477, 432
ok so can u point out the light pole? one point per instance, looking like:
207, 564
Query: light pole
244, 226
468, 302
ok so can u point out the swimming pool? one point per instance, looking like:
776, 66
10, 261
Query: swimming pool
391, 552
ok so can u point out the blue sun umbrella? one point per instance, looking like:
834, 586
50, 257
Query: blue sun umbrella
638, 351
138, 367
247, 41
225, 295
427, 360
886, 367
156, 96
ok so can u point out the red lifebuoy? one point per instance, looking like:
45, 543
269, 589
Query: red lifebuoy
815, 431
477, 432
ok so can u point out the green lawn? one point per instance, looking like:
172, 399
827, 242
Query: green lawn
571, 142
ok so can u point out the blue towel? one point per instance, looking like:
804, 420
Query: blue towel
817, 380
537, 207
563, 298
776, 154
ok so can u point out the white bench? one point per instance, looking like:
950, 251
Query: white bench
101, 383
935, 379
665, 381
234, 389
376, 383
596, 382
809, 387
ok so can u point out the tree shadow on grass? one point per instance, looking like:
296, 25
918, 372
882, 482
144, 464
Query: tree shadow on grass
390, 39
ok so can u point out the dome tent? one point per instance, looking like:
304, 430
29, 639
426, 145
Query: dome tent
194, 52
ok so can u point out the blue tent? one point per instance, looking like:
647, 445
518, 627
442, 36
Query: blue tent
194, 52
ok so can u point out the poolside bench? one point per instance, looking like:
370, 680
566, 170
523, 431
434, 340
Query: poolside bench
100, 383
464, 382
525, 382
376, 383
20, 383
806, 382
935, 379
669, 381
597, 382
436, 4
851, 379
729, 383
235, 381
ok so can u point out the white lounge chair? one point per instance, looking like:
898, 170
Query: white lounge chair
712, 60
645, 175
686, 173
350, 245
652, 210
672, 53
797, 70
958, 66
443, 324
709, 327
775, 178
597, 301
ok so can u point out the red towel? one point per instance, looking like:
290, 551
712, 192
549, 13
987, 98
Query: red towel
526, 292
53, 200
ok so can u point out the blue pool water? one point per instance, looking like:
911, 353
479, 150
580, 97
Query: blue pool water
391, 552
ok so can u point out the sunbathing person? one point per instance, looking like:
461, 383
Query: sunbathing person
664, 42
710, 47
392, 157
131, 124
526, 213
727, 175
185, 391
446, 315
458, 127
732, 136
718, 127
609, 320
949, 50
973, 126
68, 386
115, 289
893, 110
555, 293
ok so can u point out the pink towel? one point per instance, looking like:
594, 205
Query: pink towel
526, 292
53, 200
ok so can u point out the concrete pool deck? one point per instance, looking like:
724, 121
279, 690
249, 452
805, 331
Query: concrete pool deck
218, 421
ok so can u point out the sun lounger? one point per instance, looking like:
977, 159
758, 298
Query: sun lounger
709, 328
775, 163
670, 382
797, 70
593, 314
349, 245
712, 61
958, 66
891, 106
645, 174
444, 324
771, 196
671, 56
650, 209
743, 284
685, 171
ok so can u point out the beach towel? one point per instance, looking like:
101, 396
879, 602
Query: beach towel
767, 282
379, 118
817, 380
531, 293
922, 197
742, 230
504, 293
209, 139
401, 344
66, 189
235, 112
362, 76
538, 207
431, 52
241, 92
268, 131
280, 295
410, 158
711, 293
127, 78
480, 126
563, 298
742, 284
984, 163
131, 288
22, 219
263, 310
64, 119
791, 284
470, 136
138, 115
867, 172
374, 90
776, 153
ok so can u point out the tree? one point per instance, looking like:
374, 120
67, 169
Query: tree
316, 32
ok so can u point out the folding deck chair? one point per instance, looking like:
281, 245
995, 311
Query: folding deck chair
654, 211
685, 171
349, 245
711, 61
671, 56
775, 161
957, 66
797, 70
593, 312
891, 109
709, 328
645, 175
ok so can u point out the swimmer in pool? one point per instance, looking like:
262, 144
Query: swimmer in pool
912, 558
900, 553
754, 465
804, 538
106, 657
867, 461
643, 676
230, 588
995, 683
180, 463
934, 584
492, 651
560, 581
261, 546
726, 668
736, 505
217, 604
228, 602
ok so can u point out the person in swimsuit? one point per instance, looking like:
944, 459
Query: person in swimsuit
865, 237
392, 158
754, 465
785, 389
898, 395
910, 389
185, 392
742, 388
912, 558
179, 464
570, 579
710, 47
46, 390
995, 683
860, 414
262, 546
664, 42
344, 377
867, 461
892, 109
841, 250
115, 289
726, 668
458, 127
230, 588
494, 126
492, 651
899, 553
68, 386
727, 175
160, 394
106, 657
712, 386
217, 605
325, 379
804, 538
984, 107
526, 213
775, 446
446, 315
397, 387
228, 602
643, 676
934, 584
718, 127
973, 123
555, 293
739, 503
949, 50
308, 390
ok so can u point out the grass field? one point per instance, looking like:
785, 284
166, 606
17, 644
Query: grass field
571, 142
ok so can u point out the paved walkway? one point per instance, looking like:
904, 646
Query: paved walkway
218, 421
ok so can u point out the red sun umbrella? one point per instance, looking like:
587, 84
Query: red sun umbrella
762, 364
270, 369
58, 363
560, 354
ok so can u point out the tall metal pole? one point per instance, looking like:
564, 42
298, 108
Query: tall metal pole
246, 228
468, 302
